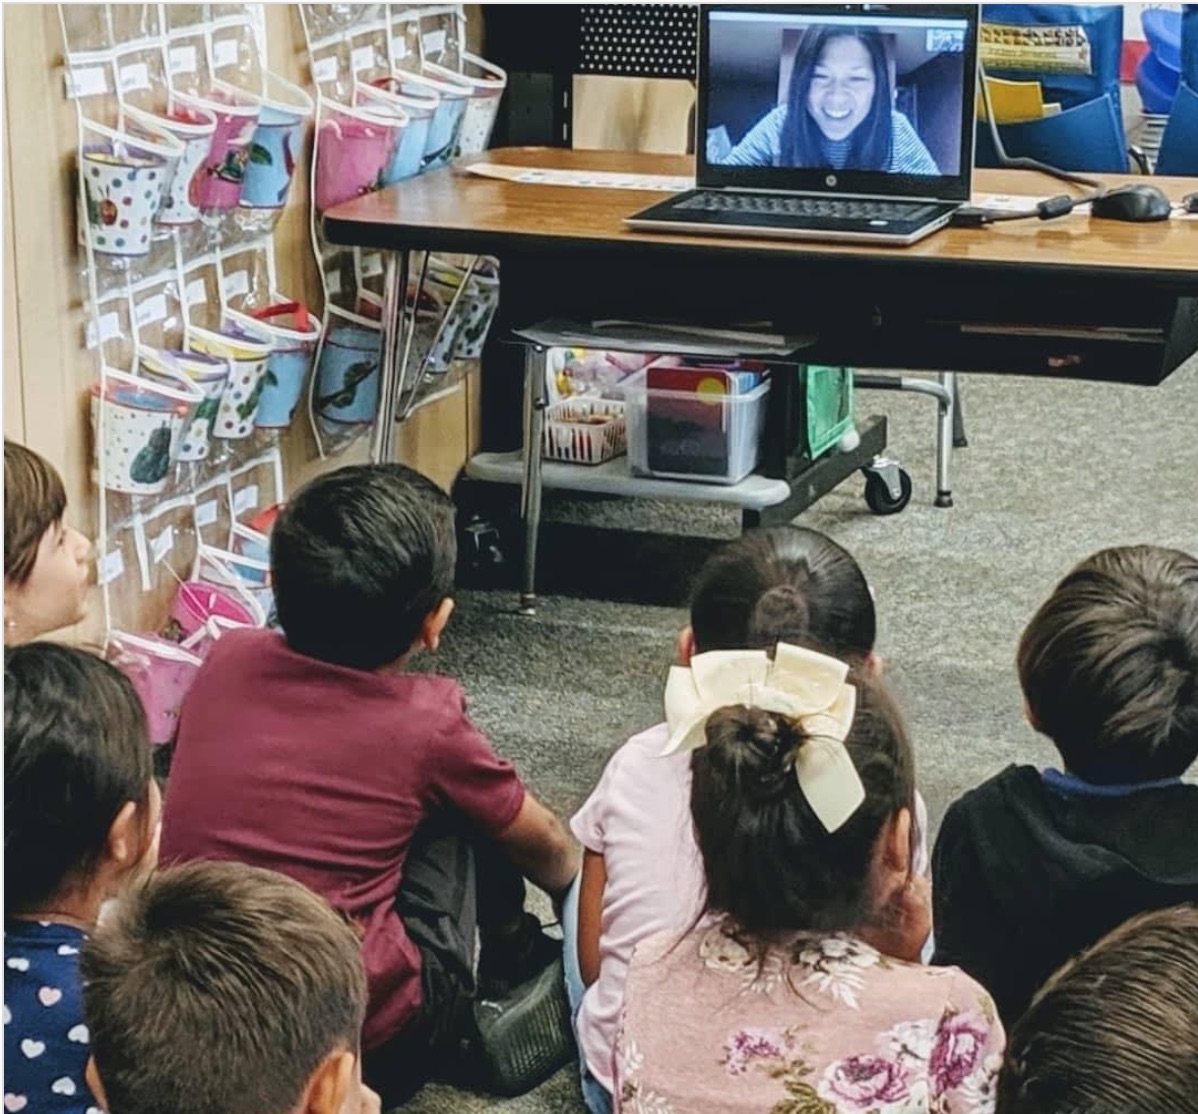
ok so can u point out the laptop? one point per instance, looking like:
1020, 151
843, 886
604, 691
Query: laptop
847, 122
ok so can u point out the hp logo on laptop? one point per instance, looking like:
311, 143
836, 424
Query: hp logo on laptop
830, 181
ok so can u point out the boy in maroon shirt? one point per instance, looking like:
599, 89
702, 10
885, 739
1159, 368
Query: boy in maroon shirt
315, 753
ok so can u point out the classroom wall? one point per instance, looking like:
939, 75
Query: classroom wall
47, 369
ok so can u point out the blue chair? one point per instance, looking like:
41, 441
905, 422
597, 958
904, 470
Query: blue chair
1179, 144
1088, 137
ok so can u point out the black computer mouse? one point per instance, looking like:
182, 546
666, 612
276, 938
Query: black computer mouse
1137, 202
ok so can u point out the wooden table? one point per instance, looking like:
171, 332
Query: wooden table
1073, 298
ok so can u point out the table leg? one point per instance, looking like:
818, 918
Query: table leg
535, 362
395, 279
945, 422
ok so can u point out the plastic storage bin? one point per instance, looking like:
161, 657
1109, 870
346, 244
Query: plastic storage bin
827, 394
584, 430
708, 430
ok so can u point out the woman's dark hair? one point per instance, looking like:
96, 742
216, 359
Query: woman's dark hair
1112, 1032
359, 558
872, 139
76, 750
770, 865
787, 584
1109, 665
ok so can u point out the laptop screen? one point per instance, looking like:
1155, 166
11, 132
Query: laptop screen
874, 99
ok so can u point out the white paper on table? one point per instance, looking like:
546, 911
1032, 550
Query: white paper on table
598, 179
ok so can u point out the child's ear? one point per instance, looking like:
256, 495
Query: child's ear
875, 665
92, 1075
684, 647
123, 836
330, 1085
434, 624
896, 849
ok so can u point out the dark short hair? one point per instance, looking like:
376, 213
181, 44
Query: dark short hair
1112, 1032
34, 500
76, 750
786, 584
219, 988
1109, 665
872, 140
359, 558
770, 865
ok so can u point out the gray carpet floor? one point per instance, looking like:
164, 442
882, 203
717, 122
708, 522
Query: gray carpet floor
1053, 472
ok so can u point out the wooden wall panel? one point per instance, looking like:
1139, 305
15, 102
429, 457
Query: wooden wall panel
46, 368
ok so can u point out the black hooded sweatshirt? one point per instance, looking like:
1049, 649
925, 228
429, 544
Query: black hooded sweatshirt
1031, 868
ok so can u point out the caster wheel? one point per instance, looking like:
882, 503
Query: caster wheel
878, 495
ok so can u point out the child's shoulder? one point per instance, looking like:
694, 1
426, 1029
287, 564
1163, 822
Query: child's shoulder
1016, 782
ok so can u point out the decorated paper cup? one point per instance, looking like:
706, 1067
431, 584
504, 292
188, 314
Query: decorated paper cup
276, 146
196, 602
347, 374
209, 373
353, 149
481, 300
220, 176
441, 143
293, 333
486, 83
136, 426
418, 111
247, 351
193, 128
122, 192
161, 672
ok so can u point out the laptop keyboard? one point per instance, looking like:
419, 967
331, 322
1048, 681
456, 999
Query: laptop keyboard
787, 205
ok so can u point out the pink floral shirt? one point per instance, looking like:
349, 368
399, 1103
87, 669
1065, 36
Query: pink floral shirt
835, 1028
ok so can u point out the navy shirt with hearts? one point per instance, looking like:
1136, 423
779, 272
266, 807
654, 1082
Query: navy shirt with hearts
45, 1038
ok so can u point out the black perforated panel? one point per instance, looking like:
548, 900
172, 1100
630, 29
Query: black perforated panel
639, 40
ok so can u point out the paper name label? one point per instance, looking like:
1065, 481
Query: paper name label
206, 513
197, 291
163, 544
183, 59
434, 41
135, 76
332, 282
362, 58
245, 499
224, 52
399, 48
86, 83
372, 265
324, 69
152, 309
110, 567
105, 328
236, 283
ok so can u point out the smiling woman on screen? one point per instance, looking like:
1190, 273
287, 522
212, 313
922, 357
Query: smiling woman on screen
838, 112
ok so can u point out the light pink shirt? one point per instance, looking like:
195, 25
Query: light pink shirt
833, 1027
639, 819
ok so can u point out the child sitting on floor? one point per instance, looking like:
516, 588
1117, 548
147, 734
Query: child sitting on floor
218, 987
81, 814
318, 753
796, 990
1032, 866
1112, 1032
47, 564
641, 868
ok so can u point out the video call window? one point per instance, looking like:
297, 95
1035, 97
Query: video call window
836, 92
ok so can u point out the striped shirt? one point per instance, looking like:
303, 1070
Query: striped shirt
762, 145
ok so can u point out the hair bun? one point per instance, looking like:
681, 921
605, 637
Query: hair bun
780, 615
755, 747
